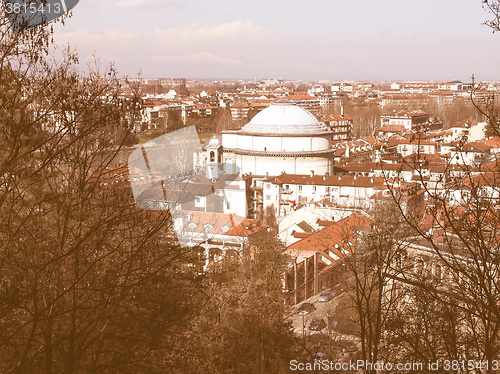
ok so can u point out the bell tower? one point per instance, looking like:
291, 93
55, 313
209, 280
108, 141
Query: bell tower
214, 159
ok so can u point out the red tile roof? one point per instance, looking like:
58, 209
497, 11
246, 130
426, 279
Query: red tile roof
298, 97
468, 121
302, 235
213, 223
405, 113
330, 180
240, 105
493, 142
476, 147
339, 235
391, 128
337, 117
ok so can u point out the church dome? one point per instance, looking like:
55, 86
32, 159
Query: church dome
284, 119
214, 142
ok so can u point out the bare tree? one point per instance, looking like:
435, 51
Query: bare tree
493, 8
89, 281
374, 258
242, 327
460, 231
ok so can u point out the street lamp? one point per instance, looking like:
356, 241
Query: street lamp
334, 323
304, 309
304, 331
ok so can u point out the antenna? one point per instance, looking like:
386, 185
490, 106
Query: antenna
139, 82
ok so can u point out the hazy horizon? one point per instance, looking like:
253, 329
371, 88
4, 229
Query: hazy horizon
333, 40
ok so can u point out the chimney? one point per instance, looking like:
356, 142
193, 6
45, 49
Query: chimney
342, 110
312, 173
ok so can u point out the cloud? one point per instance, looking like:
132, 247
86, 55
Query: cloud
136, 4
193, 32
199, 58
200, 48
212, 5
234, 28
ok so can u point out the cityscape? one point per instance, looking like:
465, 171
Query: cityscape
283, 157
161, 223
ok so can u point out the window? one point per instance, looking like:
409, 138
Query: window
419, 266
437, 272
314, 188
268, 197
212, 156
198, 202
300, 188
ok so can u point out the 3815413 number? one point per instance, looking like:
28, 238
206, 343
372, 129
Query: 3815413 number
470, 365
33, 7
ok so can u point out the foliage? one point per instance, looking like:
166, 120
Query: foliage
374, 257
89, 281
174, 120
251, 113
461, 231
242, 327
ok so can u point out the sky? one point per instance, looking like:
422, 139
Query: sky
366, 40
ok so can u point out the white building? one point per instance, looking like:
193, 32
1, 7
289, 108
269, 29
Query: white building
468, 130
288, 191
408, 147
227, 184
280, 138
218, 238
471, 154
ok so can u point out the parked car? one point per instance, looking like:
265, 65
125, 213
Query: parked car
329, 294
317, 324
306, 308
347, 345
339, 288
318, 356
326, 296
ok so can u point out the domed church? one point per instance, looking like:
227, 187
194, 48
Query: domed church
281, 138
